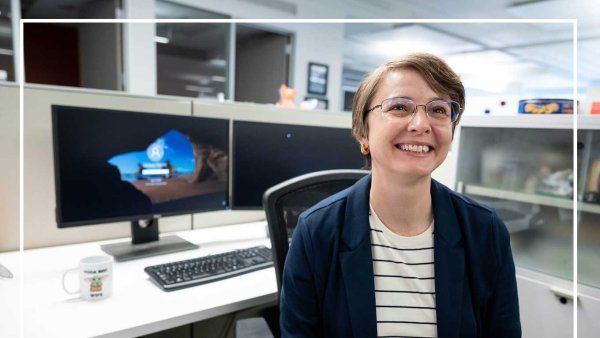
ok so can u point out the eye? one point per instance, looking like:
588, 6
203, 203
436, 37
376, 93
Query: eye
399, 106
440, 110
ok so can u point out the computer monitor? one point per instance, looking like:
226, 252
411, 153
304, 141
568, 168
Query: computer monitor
129, 166
265, 154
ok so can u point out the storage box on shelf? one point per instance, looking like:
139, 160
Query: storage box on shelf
521, 165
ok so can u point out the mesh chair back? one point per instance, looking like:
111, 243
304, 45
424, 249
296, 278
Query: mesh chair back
284, 202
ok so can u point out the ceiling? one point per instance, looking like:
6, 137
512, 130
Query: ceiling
490, 57
533, 58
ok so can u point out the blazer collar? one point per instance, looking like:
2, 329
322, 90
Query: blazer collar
449, 266
356, 227
356, 222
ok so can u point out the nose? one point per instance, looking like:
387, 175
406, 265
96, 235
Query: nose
419, 122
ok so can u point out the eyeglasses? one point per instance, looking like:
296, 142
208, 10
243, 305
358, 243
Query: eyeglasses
439, 111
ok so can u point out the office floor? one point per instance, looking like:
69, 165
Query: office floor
220, 327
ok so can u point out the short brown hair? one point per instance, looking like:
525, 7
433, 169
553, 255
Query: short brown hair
438, 75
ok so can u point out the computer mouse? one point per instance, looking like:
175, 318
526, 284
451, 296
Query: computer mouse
4, 272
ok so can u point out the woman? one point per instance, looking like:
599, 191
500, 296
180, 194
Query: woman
398, 254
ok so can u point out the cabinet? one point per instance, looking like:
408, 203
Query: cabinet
588, 217
523, 167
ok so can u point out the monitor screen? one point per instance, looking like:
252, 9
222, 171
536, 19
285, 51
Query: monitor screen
120, 165
265, 154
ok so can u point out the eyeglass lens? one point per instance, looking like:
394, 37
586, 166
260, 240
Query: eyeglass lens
438, 109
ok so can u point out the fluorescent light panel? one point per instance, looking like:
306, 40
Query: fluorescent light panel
161, 39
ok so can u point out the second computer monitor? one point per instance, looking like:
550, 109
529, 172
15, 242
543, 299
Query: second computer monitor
265, 154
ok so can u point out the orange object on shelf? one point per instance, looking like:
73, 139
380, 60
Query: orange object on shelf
595, 108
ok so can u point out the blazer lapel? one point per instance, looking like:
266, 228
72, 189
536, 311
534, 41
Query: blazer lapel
357, 263
449, 263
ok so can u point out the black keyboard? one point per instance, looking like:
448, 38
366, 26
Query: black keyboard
191, 272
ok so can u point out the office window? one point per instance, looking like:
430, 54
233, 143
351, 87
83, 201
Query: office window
192, 59
73, 54
7, 69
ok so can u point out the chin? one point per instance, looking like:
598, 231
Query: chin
412, 172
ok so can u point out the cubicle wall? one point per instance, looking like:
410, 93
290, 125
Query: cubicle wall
9, 158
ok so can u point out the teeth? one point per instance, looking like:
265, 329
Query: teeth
415, 148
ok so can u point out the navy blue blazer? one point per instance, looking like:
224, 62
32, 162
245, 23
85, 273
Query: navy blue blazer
328, 285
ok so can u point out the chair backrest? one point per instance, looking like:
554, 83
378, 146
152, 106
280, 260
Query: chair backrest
284, 202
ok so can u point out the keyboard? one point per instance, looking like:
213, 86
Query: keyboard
202, 270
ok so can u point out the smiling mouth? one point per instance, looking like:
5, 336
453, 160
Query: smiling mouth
413, 148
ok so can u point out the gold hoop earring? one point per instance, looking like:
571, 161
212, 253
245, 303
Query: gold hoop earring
364, 149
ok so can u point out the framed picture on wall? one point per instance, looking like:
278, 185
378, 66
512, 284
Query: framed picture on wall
317, 78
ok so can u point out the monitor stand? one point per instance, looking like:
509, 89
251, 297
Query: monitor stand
145, 242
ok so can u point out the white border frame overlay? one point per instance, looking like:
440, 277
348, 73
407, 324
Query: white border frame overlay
21, 80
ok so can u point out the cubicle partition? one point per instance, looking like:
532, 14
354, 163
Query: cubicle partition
9, 158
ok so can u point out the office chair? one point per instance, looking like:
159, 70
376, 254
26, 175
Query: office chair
283, 204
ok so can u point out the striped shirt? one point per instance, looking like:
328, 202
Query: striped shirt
404, 282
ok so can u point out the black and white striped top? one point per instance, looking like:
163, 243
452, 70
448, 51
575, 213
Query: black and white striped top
404, 282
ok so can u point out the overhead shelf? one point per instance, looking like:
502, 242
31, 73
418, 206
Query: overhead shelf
519, 196
588, 122
588, 207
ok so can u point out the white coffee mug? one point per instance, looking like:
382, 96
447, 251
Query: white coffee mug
95, 278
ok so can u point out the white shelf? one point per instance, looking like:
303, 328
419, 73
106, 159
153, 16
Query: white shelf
588, 207
588, 122
556, 121
519, 196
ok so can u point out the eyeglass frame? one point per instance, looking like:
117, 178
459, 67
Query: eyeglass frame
460, 109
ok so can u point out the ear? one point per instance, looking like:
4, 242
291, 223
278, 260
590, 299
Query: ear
364, 140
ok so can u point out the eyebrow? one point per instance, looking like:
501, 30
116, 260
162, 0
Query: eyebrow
412, 99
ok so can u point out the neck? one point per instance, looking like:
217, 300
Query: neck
403, 204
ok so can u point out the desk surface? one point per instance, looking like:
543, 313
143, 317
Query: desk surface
10, 308
138, 306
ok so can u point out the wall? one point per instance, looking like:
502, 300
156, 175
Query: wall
9, 157
100, 48
260, 60
139, 48
40, 228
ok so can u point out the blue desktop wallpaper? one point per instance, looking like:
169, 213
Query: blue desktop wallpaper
172, 147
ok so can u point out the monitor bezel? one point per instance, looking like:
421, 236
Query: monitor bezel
57, 182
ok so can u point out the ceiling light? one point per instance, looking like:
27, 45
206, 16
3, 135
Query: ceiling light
218, 62
200, 89
217, 78
161, 39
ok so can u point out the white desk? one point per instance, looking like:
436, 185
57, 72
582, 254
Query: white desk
138, 306
10, 307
